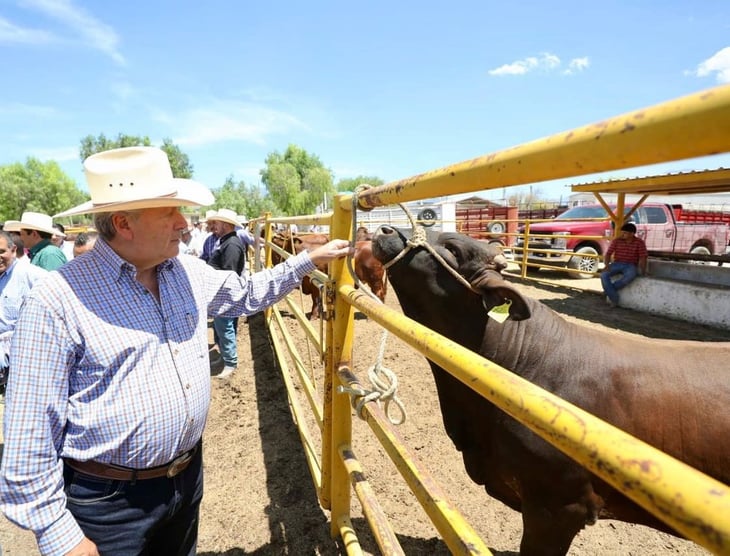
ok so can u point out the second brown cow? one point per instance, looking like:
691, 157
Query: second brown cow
367, 268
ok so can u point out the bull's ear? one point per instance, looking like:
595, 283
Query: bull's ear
495, 292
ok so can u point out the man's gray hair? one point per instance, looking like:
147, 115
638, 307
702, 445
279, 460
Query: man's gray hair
105, 225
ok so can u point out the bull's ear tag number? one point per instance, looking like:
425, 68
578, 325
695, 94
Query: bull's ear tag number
500, 313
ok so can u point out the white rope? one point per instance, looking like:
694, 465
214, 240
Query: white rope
385, 385
419, 239
348, 260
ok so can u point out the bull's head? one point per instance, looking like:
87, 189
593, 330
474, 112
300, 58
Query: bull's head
416, 266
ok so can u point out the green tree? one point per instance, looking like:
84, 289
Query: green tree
92, 145
36, 186
179, 161
244, 199
349, 184
297, 181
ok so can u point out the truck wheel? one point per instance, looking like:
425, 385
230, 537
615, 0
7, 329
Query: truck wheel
700, 250
427, 217
496, 227
588, 265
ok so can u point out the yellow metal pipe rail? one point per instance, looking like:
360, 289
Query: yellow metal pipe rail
310, 452
314, 337
456, 532
638, 138
687, 127
378, 521
337, 420
692, 503
307, 385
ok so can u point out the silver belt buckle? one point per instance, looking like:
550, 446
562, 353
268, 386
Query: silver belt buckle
178, 464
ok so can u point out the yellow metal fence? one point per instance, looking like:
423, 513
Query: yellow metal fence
648, 136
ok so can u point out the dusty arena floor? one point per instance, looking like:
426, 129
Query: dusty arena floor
259, 496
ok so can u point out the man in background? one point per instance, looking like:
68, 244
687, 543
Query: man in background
36, 231
84, 242
60, 240
186, 242
229, 255
211, 239
16, 281
626, 258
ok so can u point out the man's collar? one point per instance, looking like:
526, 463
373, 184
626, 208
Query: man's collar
38, 246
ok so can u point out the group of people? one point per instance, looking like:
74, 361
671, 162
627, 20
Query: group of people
29, 248
109, 387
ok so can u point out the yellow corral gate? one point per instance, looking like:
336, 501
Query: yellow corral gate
692, 503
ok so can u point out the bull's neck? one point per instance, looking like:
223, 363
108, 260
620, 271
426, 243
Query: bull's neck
521, 345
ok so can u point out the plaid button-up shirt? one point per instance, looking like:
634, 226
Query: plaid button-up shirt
101, 370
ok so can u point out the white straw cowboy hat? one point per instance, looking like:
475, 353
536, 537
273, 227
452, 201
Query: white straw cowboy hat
133, 178
38, 221
12, 226
226, 215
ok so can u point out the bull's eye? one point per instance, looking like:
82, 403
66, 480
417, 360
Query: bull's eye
451, 249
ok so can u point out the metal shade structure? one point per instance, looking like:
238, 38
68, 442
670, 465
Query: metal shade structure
684, 183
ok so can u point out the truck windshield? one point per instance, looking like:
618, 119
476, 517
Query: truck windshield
592, 211
582, 212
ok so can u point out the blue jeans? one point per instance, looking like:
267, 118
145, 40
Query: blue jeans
628, 272
151, 516
225, 330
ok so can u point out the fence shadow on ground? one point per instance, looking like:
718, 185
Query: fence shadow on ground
297, 523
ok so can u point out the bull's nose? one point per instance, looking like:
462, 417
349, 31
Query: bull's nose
385, 230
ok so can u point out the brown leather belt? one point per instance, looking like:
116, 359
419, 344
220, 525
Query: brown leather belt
118, 473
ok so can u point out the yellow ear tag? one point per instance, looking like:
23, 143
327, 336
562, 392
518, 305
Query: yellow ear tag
500, 313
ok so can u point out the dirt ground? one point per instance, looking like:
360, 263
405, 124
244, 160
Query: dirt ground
260, 498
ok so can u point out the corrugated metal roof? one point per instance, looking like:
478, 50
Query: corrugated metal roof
682, 183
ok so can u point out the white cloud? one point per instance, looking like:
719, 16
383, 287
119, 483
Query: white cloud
545, 62
229, 120
14, 34
719, 64
577, 65
90, 30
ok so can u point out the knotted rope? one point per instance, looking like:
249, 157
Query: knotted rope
384, 382
385, 386
419, 239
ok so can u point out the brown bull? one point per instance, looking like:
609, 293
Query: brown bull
296, 244
367, 268
674, 395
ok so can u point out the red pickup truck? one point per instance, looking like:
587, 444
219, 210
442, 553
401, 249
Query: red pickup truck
661, 226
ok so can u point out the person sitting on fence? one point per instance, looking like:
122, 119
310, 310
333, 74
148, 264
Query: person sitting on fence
625, 256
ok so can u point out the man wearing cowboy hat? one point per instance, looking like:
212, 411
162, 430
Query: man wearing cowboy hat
16, 280
211, 241
230, 254
36, 231
110, 386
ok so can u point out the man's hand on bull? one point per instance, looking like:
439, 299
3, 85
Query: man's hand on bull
335, 249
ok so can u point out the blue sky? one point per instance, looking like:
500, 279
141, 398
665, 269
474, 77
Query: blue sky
389, 89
